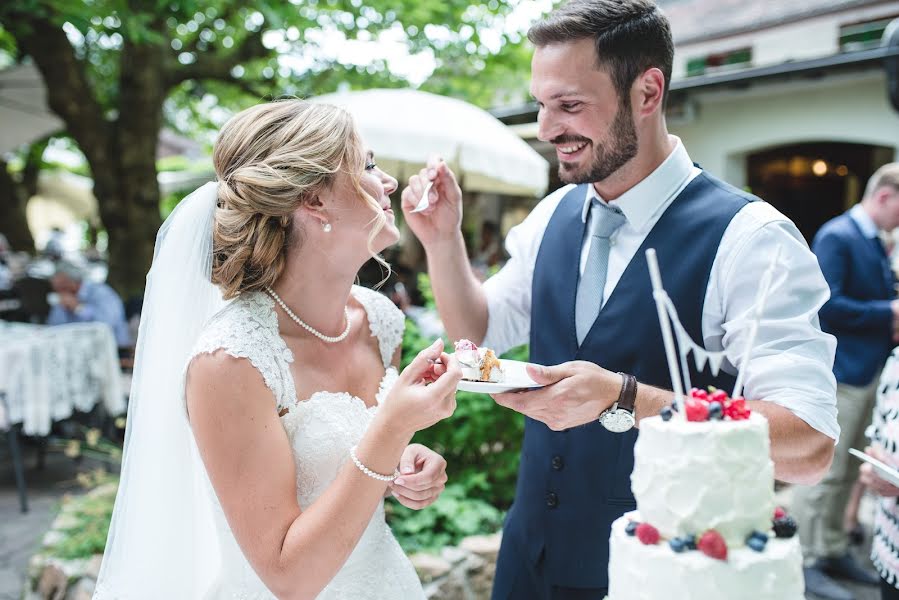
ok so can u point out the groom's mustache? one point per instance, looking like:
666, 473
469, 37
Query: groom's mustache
568, 139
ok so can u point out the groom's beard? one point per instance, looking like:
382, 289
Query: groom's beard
623, 146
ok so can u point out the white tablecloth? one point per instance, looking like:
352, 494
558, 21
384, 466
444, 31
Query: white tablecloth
46, 373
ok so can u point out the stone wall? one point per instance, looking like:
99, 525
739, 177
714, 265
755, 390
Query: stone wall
460, 573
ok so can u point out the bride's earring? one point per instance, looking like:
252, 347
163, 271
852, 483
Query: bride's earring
326, 227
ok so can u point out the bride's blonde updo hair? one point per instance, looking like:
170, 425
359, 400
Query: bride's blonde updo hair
271, 159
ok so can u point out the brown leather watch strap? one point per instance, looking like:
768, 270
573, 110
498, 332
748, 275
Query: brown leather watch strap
628, 396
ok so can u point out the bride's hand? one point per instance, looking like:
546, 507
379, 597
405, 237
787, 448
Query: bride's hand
425, 391
422, 477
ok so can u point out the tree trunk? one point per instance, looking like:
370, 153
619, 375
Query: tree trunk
129, 209
128, 195
13, 223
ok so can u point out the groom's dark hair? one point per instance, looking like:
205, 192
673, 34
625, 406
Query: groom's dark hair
630, 36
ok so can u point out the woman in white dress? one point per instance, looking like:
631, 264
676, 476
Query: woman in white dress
263, 440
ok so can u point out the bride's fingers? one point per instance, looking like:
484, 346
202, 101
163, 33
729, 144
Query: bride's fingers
447, 382
416, 504
421, 481
421, 364
438, 368
416, 494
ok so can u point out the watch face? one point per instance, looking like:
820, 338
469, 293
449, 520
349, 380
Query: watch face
618, 420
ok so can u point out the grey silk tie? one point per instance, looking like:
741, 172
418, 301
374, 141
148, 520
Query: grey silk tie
605, 220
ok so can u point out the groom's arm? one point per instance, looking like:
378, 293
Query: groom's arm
461, 300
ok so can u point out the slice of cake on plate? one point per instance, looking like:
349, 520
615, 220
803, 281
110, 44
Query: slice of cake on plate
478, 364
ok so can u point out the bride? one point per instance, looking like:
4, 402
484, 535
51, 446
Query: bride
267, 419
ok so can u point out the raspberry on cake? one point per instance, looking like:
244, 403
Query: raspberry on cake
478, 364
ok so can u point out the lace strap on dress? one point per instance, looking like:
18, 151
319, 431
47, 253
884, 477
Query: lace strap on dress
248, 328
386, 321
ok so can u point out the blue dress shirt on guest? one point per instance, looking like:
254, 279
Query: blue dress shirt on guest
97, 303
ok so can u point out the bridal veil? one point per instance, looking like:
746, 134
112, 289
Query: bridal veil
162, 541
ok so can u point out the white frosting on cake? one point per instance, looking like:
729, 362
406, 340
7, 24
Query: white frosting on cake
693, 476
641, 572
471, 360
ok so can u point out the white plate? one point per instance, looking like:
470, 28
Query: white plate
516, 378
884, 471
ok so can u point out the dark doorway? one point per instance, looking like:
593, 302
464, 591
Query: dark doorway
815, 181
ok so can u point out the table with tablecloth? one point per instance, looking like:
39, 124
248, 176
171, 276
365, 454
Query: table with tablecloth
47, 373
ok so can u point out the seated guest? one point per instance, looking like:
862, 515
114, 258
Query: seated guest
85, 301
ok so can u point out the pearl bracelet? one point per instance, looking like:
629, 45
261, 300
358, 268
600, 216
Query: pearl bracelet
368, 471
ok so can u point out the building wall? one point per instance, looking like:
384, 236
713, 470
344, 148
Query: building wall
809, 38
727, 126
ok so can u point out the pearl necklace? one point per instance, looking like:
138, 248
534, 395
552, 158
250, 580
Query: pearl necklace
309, 328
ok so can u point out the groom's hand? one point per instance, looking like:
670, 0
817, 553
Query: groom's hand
422, 477
575, 393
443, 218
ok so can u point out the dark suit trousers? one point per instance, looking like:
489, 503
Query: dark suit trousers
517, 579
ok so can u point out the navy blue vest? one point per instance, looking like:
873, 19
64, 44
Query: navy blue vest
572, 484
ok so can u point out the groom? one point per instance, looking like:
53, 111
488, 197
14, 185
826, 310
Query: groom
577, 289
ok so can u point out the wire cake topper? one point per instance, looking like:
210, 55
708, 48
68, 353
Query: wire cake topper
673, 330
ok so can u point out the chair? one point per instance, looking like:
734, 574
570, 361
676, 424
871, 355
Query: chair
15, 450
11, 308
32, 291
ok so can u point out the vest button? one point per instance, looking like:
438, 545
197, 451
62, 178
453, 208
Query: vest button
558, 463
552, 500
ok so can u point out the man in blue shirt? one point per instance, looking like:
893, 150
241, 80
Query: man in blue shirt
85, 301
863, 314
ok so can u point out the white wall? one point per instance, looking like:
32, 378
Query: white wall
729, 125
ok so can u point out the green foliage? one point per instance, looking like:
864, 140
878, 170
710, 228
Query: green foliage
91, 516
174, 163
481, 441
453, 516
274, 48
427, 294
485, 79
481, 444
168, 202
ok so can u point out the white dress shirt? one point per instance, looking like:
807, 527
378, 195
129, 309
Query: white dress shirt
792, 361
864, 221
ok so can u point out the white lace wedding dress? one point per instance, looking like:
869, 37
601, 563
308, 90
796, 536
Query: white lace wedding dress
322, 429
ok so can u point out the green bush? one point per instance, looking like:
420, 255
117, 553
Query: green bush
91, 516
481, 444
452, 517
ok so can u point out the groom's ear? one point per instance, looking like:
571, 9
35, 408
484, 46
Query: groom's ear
648, 92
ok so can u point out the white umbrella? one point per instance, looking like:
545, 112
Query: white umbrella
405, 127
62, 200
24, 116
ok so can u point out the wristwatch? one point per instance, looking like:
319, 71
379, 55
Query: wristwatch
619, 417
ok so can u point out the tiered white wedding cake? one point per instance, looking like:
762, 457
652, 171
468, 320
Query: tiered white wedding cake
706, 526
